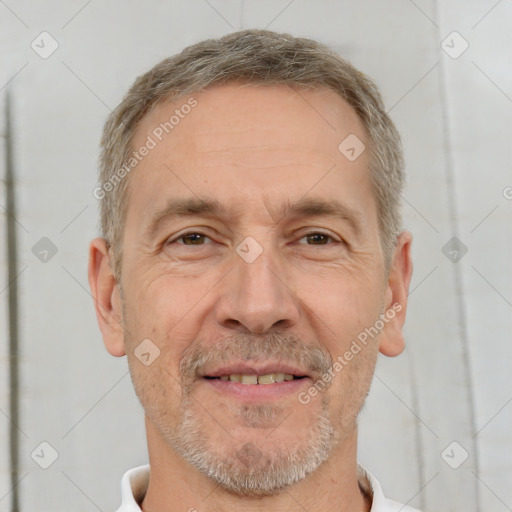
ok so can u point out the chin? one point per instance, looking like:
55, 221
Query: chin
257, 463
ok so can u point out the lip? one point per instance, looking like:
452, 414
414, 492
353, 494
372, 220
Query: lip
256, 392
256, 369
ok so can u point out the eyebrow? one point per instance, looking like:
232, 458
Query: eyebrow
211, 208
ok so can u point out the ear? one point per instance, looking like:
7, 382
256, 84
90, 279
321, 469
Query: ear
107, 299
392, 341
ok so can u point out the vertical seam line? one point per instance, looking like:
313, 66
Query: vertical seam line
12, 259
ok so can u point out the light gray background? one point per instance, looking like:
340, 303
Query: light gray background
452, 384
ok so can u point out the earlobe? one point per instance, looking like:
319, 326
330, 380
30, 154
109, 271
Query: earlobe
107, 301
392, 342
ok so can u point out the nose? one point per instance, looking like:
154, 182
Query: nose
258, 297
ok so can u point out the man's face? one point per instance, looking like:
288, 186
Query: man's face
257, 288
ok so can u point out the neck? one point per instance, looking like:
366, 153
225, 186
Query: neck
175, 485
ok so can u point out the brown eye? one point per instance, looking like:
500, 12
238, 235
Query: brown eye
190, 238
317, 238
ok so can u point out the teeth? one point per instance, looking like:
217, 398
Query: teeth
267, 379
249, 379
257, 379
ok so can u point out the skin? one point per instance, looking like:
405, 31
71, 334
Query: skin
252, 149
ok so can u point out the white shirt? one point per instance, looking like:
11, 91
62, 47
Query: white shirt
135, 483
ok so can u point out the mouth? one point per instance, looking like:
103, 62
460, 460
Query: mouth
269, 378
253, 383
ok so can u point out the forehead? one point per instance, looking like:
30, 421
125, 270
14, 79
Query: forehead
246, 138
316, 118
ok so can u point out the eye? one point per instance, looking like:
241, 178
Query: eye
317, 238
190, 238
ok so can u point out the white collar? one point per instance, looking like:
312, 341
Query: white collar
135, 483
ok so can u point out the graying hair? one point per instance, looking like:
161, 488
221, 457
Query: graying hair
259, 57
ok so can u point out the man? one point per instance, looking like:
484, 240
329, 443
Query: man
252, 266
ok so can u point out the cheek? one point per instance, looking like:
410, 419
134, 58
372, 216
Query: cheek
156, 324
140, 333
156, 387
352, 380
151, 311
344, 304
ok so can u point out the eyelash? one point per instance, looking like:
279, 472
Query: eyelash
188, 233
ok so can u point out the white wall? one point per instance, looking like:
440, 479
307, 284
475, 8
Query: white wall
452, 384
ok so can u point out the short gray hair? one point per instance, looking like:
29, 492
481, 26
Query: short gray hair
258, 57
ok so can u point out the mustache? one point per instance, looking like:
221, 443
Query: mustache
249, 347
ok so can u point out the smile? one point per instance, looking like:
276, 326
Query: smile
270, 378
